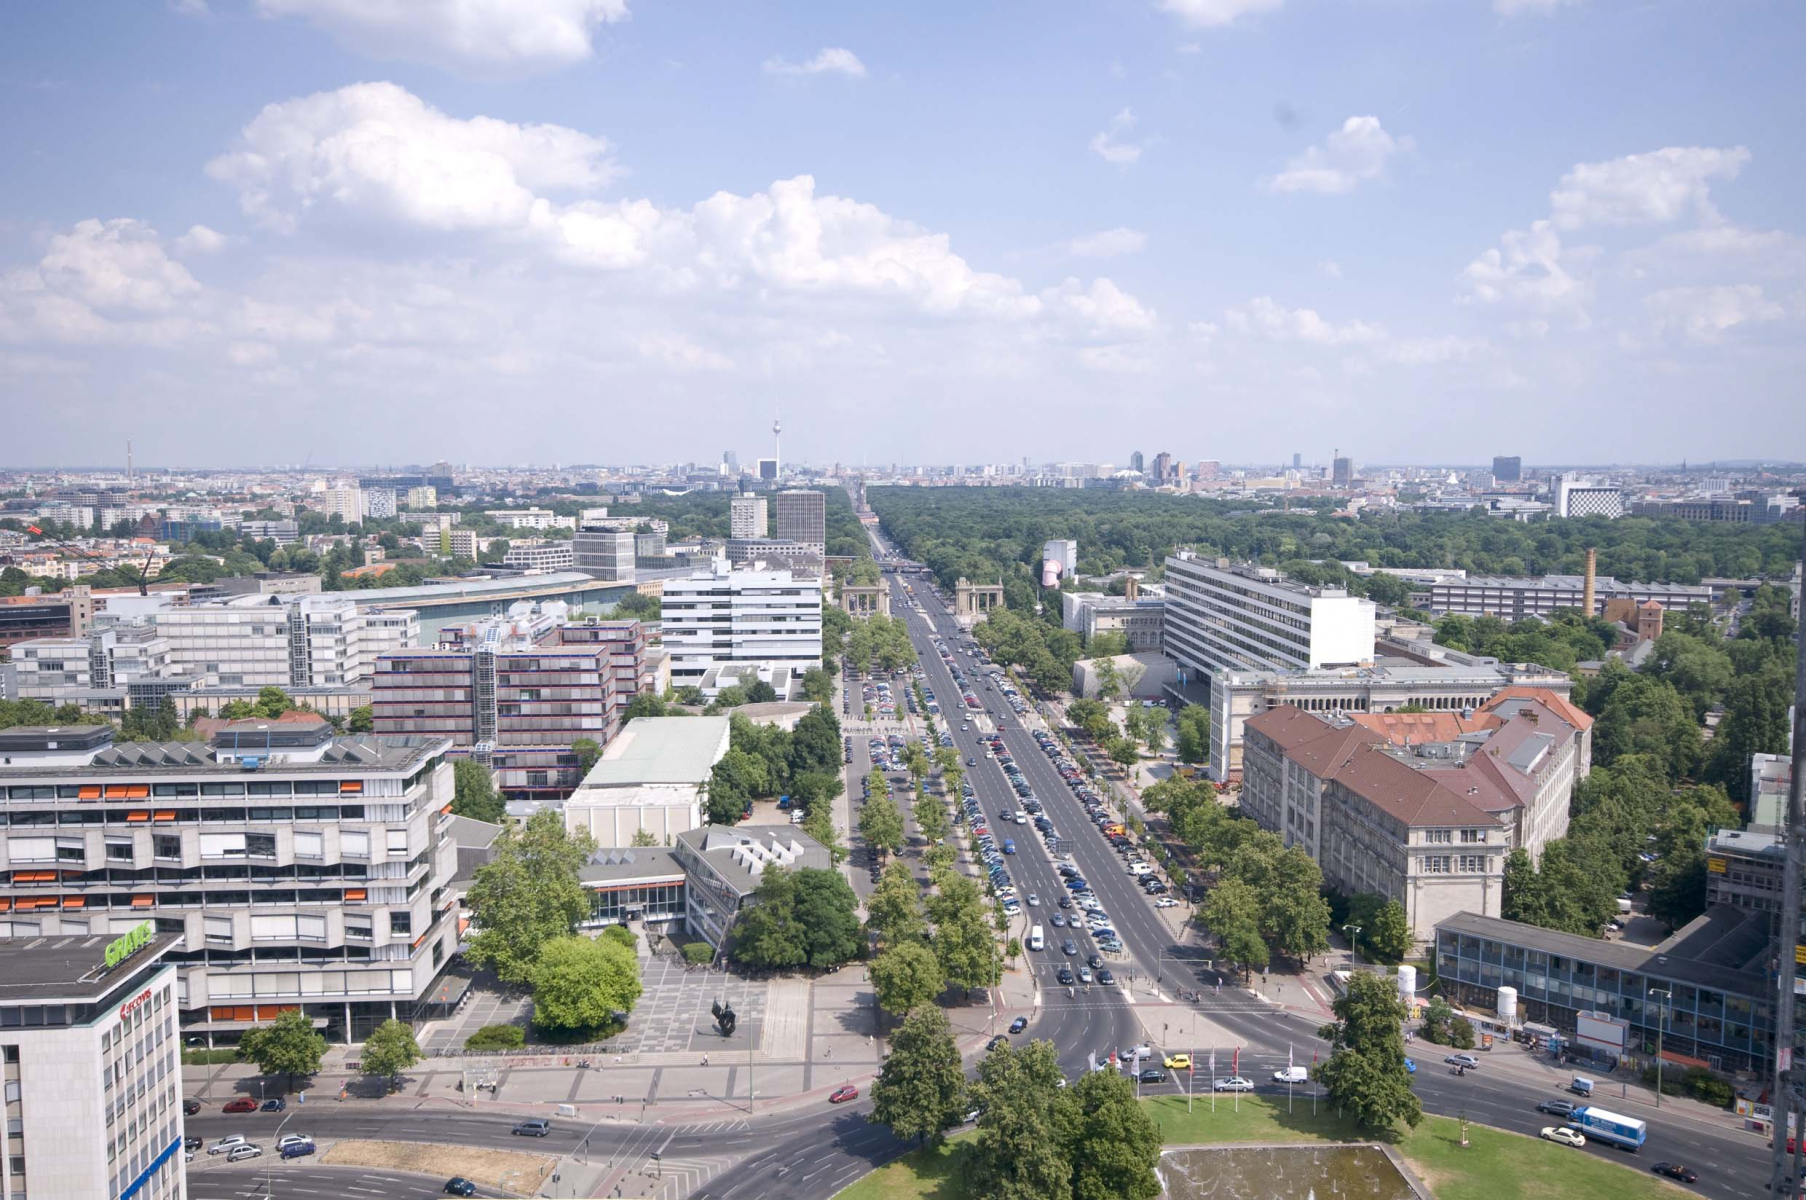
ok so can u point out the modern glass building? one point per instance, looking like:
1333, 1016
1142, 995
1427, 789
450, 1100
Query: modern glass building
1708, 989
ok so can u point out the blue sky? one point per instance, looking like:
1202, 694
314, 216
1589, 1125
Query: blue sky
249, 231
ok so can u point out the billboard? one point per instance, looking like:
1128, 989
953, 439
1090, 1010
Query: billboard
1602, 1031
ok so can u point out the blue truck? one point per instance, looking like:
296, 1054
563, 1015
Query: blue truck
1625, 1132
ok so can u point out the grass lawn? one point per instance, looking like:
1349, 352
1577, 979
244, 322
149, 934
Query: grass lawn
1496, 1165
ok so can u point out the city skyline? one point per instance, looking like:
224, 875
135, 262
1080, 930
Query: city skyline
235, 224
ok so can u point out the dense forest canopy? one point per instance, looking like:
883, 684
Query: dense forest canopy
983, 533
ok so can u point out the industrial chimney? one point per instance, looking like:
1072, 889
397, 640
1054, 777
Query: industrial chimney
1586, 592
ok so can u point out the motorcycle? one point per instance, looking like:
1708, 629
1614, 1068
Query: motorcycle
1457, 1070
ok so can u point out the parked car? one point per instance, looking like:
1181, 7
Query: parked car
240, 1153
457, 1185
227, 1144
296, 1150
843, 1093
1563, 1135
1555, 1108
243, 1104
274, 1104
536, 1127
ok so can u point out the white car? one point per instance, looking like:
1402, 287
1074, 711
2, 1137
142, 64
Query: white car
1034, 901
1292, 1075
1166, 902
293, 1139
1462, 1060
1564, 1135
229, 1142
1235, 1083
248, 1150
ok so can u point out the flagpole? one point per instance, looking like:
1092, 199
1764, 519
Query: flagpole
1288, 1081
1235, 1068
1213, 1081
1191, 1075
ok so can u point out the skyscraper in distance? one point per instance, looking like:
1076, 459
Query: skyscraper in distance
1135, 461
1342, 475
1507, 470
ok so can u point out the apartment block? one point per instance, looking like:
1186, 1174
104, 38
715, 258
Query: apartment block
379, 503
606, 554
281, 641
760, 620
422, 497
746, 517
547, 556
346, 503
1514, 597
532, 518
302, 870
90, 1057
1419, 807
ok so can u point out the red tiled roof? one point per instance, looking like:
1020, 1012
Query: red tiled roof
1556, 703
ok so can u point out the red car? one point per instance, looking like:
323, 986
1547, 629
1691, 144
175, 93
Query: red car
242, 1104
843, 1093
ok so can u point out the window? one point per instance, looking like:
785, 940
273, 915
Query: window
1437, 836
310, 845
359, 928
401, 922
398, 841
166, 845
218, 929
222, 845
1473, 863
24, 850
354, 843
1471, 836
71, 849
310, 928
260, 845
119, 850
1436, 864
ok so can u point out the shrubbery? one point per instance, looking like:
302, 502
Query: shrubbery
497, 1037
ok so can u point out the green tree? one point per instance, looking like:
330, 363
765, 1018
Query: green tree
1122, 750
1385, 932
389, 1050
818, 823
579, 983
1019, 1153
272, 702
527, 895
931, 816
894, 909
587, 752
1365, 1075
362, 719
1755, 722
289, 1046
1115, 1146
881, 825
1194, 733
768, 934
644, 837
733, 782
760, 692
645, 704
818, 686
827, 910
920, 1091
799, 917
732, 696
1648, 717
1232, 911
474, 794
907, 975
815, 744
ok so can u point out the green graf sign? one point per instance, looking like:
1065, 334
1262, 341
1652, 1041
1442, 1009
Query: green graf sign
124, 946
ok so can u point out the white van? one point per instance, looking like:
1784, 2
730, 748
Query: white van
1036, 940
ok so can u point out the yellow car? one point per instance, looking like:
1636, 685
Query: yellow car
1178, 1062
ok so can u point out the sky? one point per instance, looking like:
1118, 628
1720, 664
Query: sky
356, 232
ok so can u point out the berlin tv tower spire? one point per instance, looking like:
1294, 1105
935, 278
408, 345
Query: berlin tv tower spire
777, 447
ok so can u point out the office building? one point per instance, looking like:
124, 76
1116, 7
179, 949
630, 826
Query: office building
68, 613
1577, 497
1514, 597
606, 554
801, 516
280, 532
1507, 470
425, 496
546, 556
91, 1059
1297, 460
1342, 472
746, 517
507, 692
625, 640
1141, 619
1136, 462
731, 461
755, 620
775, 552
532, 518
281, 641
80, 670
379, 503
302, 870
1223, 617
723, 864
653, 776
1706, 991
768, 470
1421, 808
1163, 465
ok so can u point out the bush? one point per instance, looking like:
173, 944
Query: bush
1461, 1033
622, 935
497, 1037
205, 1058
1702, 1085
699, 953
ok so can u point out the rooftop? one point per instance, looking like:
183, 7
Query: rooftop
741, 853
677, 750
627, 865
1622, 956
71, 967
358, 752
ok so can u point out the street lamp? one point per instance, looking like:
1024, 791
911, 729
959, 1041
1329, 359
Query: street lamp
1352, 932
269, 1169
1661, 1013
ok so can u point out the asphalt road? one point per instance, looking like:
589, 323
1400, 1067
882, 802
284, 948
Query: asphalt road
239, 1181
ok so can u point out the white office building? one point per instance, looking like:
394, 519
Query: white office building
346, 503
763, 620
1223, 617
91, 1058
65, 670
1578, 497
606, 554
654, 775
746, 517
547, 556
532, 518
282, 641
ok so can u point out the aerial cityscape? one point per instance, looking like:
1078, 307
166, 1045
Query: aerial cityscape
902, 604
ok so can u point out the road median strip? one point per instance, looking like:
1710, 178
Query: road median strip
508, 1170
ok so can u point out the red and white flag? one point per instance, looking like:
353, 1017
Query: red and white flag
1213, 1060
1288, 1058
1235, 1064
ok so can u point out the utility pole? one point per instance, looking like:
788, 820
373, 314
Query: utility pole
1784, 1181
1661, 1024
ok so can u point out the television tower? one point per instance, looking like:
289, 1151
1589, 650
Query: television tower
777, 447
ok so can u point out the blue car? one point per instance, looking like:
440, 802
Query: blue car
1410, 1067
1076, 883
1009, 845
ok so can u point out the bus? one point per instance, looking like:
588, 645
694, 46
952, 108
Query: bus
1625, 1132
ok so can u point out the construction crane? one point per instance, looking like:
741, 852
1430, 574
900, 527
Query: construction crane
139, 575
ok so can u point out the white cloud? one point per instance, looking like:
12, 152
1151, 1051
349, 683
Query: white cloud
1263, 317
1103, 311
1352, 155
678, 352
1705, 314
1644, 189
250, 354
1108, 243
100, 281
1526, 268
1118, 360
1208, 14
201, 240
479, 38
1108, 144
1516, 8
379, 151
1331, 268
832, 60
190, 8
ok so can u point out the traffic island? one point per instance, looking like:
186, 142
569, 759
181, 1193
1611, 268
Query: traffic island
510, 1171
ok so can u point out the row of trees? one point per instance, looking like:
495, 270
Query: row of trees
763, 760
1042, 649
1268, 898
926, 943
290, 1046
802, 918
